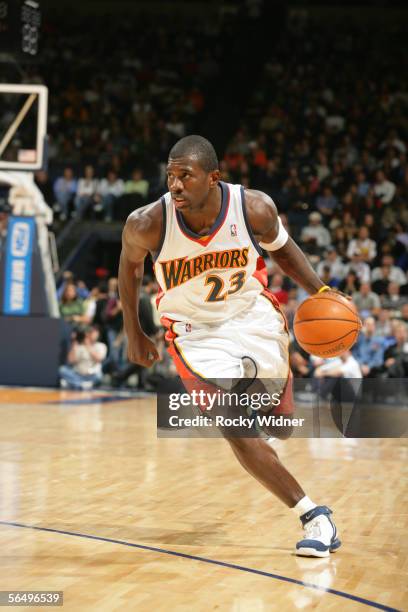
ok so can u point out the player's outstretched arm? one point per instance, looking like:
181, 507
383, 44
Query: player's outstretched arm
140, 235
267, 227
293, 262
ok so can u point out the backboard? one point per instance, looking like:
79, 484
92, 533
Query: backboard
23, 126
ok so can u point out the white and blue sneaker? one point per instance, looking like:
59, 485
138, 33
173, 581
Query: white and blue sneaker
320, 534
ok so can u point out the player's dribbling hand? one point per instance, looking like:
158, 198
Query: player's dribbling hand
143, 351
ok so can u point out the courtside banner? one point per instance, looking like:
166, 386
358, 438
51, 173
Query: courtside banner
18, 264
272, 408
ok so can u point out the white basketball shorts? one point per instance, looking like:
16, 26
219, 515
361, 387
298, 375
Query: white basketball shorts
216, 350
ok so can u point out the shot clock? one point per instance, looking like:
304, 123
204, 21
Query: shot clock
20, 27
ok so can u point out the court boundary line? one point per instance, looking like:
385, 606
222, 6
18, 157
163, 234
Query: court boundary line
241, 568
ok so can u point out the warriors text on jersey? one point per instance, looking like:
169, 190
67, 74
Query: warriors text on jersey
209, 278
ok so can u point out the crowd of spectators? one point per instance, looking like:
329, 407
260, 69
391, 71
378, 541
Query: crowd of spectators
120, 104
94, 349
110, 196
330, 147
324, 134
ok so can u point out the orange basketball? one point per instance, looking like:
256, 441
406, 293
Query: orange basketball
326, 324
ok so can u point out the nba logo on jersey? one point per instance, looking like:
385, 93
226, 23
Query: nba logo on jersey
188, 327
234, 231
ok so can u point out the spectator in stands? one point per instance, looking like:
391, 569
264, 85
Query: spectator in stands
350, 284
83, 369
393, 141
344, 366
396, 355
315, 233
259, 158
401, 233
268, 178
364, 244
86, 192
384, 189
101, 300
337, 268
393, 300
380, 286
64, 190
366, 300
327, 202
82, 289
359, 266
404, 312
291, 188
109, 190
176, 126
349, 224
90, 305
340, 241
371, 222
71, 306
369, 349
383, 325
68, 277
388, 272
113, 319
233, 159
137, 184
363, 186
339, 380
72, 312
300, 362
401, 244
322, 167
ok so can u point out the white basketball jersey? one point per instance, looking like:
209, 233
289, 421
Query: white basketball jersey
209, 278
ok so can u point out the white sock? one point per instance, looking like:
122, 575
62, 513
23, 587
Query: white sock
304, 505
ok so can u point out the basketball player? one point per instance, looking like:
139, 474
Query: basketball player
205, 237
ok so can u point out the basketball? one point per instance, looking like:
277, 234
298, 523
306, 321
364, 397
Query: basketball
326, 324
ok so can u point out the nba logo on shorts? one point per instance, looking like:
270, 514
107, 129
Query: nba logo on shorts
188, 327
234, 231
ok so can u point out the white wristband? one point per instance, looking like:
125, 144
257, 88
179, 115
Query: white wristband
280, 240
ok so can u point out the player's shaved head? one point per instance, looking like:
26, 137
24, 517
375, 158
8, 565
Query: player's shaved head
198, 148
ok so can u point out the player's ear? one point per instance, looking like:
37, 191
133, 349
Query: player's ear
214, 178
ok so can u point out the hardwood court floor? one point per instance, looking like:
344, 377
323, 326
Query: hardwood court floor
111, 503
